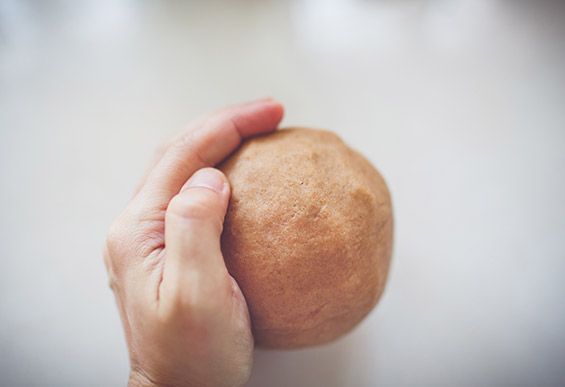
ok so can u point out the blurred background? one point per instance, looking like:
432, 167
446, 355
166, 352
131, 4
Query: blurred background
460, 104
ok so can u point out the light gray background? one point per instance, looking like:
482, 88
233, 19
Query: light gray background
461, 104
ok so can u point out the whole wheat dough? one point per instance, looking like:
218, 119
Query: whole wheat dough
307, 236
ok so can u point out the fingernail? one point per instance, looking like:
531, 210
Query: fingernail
206, 178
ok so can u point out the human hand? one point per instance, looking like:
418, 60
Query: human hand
185, 319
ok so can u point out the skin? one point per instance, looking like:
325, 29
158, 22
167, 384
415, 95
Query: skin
185, 319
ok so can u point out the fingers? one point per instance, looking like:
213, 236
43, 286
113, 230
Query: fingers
151, 223
192, 126
204, 146
194, 266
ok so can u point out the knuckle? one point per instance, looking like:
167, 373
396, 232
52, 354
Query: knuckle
113, 250
115, 239
194, 141
113, 282
196, 301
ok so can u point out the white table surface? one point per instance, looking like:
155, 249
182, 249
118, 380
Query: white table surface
460, 104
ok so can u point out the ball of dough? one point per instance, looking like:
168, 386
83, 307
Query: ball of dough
307, 236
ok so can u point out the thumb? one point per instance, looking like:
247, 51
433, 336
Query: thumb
193, 226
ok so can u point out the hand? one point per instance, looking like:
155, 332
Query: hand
185, 319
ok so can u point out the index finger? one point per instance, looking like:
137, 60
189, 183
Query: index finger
193, 125
204, 146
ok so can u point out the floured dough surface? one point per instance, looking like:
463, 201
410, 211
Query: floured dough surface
307, 236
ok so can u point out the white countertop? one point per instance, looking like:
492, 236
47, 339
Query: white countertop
460, 104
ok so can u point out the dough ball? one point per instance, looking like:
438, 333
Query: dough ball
307, 236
